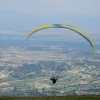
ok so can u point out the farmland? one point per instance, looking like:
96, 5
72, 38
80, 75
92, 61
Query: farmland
26, 74
26, 68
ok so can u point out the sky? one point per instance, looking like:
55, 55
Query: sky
51, 7
89, 10
83, 14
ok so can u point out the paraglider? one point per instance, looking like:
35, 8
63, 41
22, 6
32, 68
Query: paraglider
64, 26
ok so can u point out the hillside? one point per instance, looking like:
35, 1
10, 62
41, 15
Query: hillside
70, 97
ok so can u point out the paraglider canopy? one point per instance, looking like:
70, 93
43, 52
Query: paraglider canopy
64, 26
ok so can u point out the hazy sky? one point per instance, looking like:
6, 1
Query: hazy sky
85, 14
50, 7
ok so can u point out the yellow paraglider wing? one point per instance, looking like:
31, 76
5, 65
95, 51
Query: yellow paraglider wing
64, 26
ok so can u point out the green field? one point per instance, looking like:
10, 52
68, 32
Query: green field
69, 97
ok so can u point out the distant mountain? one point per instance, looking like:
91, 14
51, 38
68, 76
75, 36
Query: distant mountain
10, 20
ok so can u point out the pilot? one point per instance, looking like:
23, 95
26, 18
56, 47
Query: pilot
54, 79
